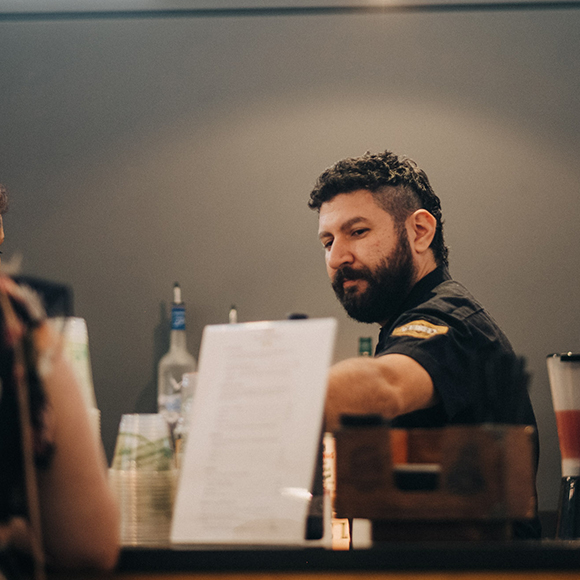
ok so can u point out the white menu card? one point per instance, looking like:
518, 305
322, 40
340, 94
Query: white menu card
255, 424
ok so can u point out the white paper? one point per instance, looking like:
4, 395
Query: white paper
255, 425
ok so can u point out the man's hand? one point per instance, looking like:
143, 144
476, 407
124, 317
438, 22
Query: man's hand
389, 385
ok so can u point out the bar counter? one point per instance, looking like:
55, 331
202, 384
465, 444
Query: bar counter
546, 559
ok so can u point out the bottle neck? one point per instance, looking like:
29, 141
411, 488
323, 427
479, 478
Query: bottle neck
177, 340
177, 336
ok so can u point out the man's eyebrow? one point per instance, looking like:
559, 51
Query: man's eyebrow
345, 226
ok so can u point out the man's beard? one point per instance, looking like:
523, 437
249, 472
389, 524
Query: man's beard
387, 286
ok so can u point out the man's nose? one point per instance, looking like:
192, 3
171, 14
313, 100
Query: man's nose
339, 255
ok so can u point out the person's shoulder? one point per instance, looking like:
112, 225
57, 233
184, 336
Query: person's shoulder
451, 298
452, 288
458, 307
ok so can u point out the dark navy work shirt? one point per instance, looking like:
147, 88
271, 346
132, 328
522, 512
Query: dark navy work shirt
474, 370
476, 375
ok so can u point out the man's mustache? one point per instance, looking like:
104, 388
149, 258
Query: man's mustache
348, 273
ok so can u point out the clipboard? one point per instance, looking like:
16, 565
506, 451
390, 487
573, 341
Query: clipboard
255, 426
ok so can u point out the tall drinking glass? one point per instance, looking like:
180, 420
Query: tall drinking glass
564, 375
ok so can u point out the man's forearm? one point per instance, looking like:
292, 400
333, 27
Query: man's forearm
389, 386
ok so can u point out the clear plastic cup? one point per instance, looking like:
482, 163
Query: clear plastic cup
143, 443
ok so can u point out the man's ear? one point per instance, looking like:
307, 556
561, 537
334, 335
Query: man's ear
421, 227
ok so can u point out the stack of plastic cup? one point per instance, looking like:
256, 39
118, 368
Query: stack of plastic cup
143, 476
76, 351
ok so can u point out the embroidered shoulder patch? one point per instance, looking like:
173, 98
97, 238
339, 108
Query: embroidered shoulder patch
419, 329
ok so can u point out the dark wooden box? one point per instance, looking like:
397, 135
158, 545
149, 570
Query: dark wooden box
456, 483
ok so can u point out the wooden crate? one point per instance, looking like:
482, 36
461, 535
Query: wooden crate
467, 482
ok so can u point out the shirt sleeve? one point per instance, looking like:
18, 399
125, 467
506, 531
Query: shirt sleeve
444, 347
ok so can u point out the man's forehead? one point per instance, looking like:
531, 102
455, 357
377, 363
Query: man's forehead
355, 206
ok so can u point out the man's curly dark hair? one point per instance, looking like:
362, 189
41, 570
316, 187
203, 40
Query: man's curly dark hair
396, 183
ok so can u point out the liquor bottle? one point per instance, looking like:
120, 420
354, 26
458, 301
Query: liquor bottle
174, 364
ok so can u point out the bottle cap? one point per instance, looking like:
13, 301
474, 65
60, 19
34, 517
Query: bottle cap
176, 293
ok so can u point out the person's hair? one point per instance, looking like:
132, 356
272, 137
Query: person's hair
3, 200
397, 184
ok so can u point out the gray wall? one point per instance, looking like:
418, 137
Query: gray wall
138, 153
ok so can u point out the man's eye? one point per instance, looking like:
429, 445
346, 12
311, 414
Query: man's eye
360, 232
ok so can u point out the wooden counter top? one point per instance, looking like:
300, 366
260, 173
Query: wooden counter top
523, 560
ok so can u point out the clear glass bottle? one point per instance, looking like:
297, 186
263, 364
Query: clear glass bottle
174, 364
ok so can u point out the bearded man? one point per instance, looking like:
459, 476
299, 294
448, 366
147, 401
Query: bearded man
440, 359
